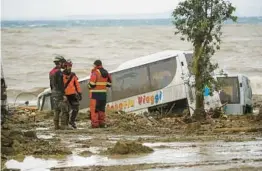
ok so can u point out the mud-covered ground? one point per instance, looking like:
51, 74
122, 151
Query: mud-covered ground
133, 143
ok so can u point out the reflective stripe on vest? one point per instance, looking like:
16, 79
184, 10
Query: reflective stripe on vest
100, 85
97, 90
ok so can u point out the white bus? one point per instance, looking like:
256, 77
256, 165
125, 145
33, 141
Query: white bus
159, 82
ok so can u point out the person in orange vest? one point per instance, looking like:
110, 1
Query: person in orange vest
99, 81
72, 92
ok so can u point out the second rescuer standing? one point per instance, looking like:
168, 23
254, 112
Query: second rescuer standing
99, 81
72, 91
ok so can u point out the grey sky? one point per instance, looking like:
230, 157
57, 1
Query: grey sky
35, 9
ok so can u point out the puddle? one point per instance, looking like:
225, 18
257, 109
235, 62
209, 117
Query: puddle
43, 136
42, 129
81, 137
186, 154
94, 150
119, 137
32, 164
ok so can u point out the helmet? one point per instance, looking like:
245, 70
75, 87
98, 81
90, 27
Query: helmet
69, 63
59, 58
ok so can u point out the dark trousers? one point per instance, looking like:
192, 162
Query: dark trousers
74, 106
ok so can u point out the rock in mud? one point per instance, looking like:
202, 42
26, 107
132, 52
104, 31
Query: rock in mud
86, 153
129, 147
30, 134
11, 169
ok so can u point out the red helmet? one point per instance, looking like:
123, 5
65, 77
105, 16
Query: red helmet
69, 63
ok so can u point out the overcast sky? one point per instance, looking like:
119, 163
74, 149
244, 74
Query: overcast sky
35, 9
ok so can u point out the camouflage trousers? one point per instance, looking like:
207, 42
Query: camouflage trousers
61, 112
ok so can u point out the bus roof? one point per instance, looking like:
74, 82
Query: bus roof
145, 60
149, 59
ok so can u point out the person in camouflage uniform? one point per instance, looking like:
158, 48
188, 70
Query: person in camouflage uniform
59, 99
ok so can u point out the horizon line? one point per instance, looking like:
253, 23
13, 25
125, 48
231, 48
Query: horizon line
69, 18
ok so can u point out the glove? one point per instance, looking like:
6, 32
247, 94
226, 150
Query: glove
80, 96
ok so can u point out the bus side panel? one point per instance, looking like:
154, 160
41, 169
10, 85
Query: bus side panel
166, 95
174, 93
84, 103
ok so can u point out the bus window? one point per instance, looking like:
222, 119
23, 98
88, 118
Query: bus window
162, 73
230, 90
130, 82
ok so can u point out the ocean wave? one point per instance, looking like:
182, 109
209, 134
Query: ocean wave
27, 65
7, 30
74, 41
108, 22
245, 69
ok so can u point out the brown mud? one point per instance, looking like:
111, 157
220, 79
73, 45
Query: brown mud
28, 132
128, 147
19, 138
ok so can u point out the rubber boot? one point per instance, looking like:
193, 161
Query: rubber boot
56, 124
66, 118
73, 117
64, 126
101, 119
56, 120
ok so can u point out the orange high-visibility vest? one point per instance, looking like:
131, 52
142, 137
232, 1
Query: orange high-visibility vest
73, 86
98, 83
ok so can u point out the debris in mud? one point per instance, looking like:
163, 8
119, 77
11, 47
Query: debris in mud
17, 140
193, 127
129, 147
128, 122
11, 170
238, 130
26, 143
27, 115
131, 123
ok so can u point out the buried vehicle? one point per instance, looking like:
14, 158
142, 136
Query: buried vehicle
160, 82
236, 91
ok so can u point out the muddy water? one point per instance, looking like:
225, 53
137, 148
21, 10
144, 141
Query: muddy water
180, 156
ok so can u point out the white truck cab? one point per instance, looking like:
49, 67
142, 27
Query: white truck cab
237, 93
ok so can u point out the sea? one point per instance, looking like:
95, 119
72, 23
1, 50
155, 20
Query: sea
28, 48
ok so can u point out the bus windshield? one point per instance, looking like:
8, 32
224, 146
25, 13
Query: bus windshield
229, 90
